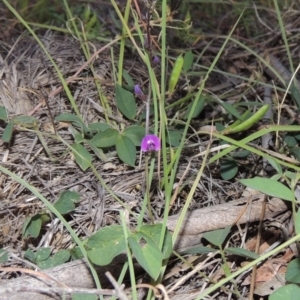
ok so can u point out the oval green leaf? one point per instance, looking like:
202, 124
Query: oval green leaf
7, 133
287, 292
98, 127
174, 138
228, 169
32, 226
269, 187
82, 156
67, 117
125, 102
197, 110
25, 121
242, 252
293, 271
154, 232
104, 139
188, 60
43, 254
297, 222
60, 257
126, 150
217, 237
3, 114
175, 74
146, 253
66, 202
3, 256
104, 245
135, 133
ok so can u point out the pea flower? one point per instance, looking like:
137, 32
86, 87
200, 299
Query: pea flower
155, 60
150, 143
138, 91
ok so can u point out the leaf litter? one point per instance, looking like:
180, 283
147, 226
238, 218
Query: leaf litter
25, 71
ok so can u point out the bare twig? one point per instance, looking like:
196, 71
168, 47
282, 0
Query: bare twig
118, 289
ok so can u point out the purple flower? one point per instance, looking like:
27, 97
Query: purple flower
155, 60
150, 143
138, 91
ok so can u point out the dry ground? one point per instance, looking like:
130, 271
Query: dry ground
28, 80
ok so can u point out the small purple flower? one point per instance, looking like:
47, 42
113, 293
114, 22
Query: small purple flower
155, 60
150, 143
138, 91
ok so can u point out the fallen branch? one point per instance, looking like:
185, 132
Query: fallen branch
76, 274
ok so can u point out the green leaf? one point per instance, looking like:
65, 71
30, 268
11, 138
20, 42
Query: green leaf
30, 255
83, 296
297, 136
60, 257
135, 133
296, 152
240, 154
75, 120
290, 140
3, 114
232, 110
103, 246
104, 139
154, 232
125, 102
217, 237
228, 169
294, 89
175, 74
66, 202
82, 156
45, 264
198, 109
275, 165
32, 226
297, 222
198, 250
98, 151
126, 150
188, 60
293, 271
98, 127
3, 255
241, 252
287, 292
174, 138
76, 253
128, 78
25, 121
146, 253
78, 136
269, 187
7, 133
43, 254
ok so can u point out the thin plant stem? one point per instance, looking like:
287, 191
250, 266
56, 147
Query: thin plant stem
263, 257
148, 189
148, 110
129, 258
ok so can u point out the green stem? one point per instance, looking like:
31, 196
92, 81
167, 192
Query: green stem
148, 183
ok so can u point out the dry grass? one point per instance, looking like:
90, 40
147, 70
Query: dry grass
27, 76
